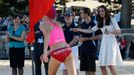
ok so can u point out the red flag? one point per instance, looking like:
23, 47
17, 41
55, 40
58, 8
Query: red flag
37, 9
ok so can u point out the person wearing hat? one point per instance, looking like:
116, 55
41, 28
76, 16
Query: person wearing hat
71, 37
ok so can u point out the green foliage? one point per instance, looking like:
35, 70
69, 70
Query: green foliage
5, 7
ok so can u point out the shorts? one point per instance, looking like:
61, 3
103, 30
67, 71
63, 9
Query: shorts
61, 54
87, 63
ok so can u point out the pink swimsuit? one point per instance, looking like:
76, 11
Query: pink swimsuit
56, 35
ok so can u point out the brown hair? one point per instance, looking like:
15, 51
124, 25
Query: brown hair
100, 19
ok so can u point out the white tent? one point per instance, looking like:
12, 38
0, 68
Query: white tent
89, 4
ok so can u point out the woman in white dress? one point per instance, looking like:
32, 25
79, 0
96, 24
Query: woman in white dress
109, 50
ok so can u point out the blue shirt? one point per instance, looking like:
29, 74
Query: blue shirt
84, 25
17, 33
87, 47
68, 32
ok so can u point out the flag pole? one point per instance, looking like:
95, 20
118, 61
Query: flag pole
32, 57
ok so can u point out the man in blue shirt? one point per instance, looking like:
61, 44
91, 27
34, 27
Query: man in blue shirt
88, 48
70, 36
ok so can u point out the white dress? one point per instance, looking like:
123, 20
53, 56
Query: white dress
109, 49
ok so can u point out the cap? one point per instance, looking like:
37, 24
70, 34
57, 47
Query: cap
68, 13
51, 13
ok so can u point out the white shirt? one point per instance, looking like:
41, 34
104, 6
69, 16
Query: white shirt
117, 16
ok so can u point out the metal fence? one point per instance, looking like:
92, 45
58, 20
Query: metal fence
4, 49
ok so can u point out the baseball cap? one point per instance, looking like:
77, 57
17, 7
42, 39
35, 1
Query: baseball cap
68, 13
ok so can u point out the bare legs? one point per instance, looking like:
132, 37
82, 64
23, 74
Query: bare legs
65, 71
69, 63
53, 66
104, 70
113, 71
90, 73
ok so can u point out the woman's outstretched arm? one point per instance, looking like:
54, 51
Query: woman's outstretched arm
89, 30
83, 30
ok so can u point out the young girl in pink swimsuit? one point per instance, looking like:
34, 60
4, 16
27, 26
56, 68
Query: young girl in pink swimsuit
60, 51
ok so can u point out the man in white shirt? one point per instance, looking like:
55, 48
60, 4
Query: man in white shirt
117, 17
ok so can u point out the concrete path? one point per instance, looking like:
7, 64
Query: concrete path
128, 69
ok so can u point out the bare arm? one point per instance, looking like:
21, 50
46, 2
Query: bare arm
83, 30
116, 26
46, 32
116, 32
89, 30
74, 41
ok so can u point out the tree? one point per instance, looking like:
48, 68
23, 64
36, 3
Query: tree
126, 12
11, 7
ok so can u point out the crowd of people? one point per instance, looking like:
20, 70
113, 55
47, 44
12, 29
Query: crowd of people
5, 22
67, 38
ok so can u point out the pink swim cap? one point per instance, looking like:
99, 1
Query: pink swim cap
52, 13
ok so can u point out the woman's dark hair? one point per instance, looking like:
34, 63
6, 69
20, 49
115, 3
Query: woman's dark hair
16, 16
87, 11
100, 19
